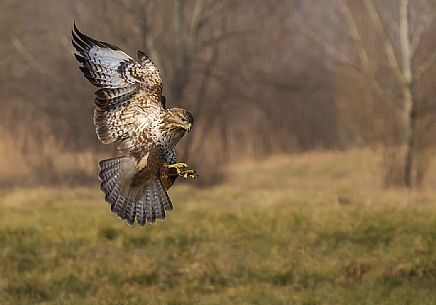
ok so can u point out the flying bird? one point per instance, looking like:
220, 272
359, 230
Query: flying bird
130, 111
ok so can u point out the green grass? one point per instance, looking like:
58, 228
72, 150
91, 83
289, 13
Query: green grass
312, 229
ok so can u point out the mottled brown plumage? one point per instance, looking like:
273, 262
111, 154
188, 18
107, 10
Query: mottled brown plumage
130, 111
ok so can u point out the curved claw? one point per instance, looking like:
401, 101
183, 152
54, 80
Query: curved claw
178, 166
189, 174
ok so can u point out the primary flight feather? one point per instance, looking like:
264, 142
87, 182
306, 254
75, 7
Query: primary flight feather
130, 111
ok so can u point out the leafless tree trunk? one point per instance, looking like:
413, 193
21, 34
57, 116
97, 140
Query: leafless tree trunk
405, 71
409, 94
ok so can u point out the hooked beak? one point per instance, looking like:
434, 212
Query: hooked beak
188, 126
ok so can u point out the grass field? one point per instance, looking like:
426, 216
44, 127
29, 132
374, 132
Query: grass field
308, 229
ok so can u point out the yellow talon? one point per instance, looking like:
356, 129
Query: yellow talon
178, 166
189, 174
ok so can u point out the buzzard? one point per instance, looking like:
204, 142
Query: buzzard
130, 111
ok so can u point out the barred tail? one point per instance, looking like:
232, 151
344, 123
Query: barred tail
153, 203
130, 202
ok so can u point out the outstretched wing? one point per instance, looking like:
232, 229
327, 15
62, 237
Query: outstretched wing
130, 93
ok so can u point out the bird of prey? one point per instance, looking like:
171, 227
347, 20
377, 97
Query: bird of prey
130, 111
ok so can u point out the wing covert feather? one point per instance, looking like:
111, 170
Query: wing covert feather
129, 91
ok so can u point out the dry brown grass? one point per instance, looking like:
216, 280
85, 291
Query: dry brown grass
27, 161
309, 229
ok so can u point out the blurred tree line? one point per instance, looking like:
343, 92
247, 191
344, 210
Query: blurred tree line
262, 77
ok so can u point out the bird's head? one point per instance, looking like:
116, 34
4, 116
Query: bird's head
180, 118
178, 122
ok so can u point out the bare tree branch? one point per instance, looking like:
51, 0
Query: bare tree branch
33, 63
334, 52
361, 50
389, 49
424, 67
425, 19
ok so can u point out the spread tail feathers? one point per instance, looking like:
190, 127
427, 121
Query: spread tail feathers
130, 202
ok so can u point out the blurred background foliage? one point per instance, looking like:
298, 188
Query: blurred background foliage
261, 77
305, 112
